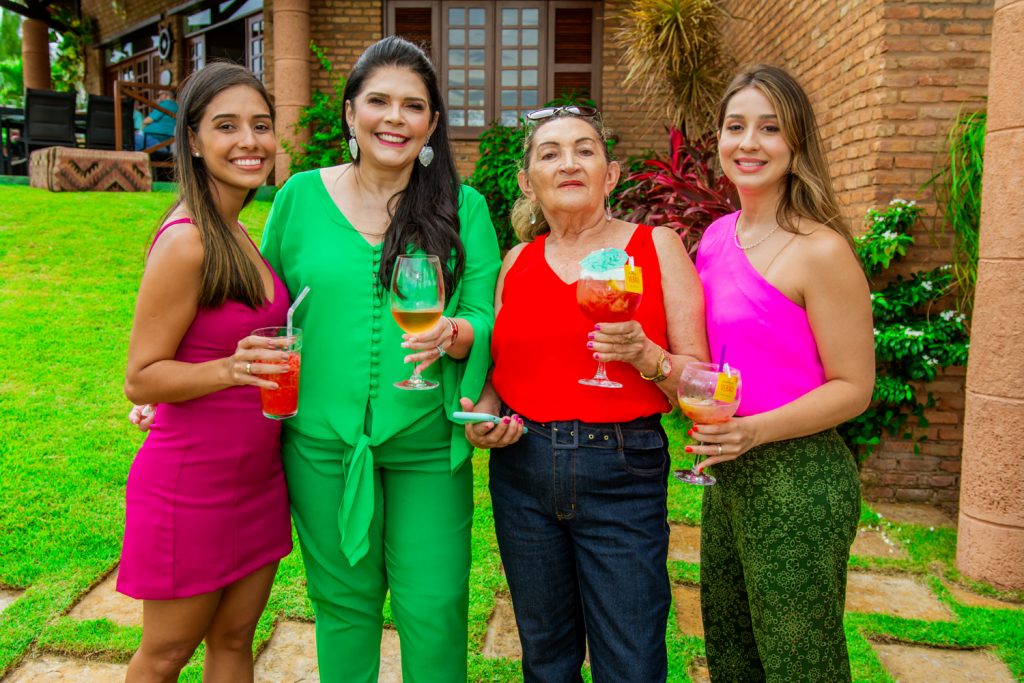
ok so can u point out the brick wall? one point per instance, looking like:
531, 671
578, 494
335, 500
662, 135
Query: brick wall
887, 79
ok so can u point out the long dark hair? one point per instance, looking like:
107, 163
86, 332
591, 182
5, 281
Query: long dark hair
227, 271
425, 214
808, 191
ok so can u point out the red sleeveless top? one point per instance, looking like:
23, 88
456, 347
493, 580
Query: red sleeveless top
540, 343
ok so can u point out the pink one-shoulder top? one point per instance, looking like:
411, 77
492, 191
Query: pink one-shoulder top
766, 336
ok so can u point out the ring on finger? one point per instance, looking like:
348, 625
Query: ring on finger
440, 352
248, 368
719, 449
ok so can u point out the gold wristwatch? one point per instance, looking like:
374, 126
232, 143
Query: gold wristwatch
664, 368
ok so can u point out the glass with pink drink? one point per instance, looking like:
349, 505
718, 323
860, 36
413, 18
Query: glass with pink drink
708, 395
283, 402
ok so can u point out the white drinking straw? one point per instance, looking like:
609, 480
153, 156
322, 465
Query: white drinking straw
295, 304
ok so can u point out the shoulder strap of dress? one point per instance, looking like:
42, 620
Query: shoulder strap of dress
164, 227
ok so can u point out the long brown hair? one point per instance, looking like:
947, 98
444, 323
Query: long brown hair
808, 191
227, 271
524, 210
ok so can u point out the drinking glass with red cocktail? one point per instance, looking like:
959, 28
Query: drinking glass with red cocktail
283, 402
417, 302
707, 395
608, 291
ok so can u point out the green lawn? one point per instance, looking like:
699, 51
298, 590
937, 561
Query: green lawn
69, 268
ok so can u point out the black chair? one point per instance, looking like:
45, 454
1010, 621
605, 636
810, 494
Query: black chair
49, 122
99, 124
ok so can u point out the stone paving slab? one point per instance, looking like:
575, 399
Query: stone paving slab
687, 601
921, 664
971, 599
684, 543
54, 669
698, 671
901, 596
502, 639
105, 602
290, 656
913, 513
874, 543
7, 596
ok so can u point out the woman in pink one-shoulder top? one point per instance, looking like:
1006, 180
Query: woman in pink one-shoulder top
207, 509
786, 298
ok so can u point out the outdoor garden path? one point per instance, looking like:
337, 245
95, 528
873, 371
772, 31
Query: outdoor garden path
290, 654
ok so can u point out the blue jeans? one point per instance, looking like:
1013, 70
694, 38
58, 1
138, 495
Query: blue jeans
580, 514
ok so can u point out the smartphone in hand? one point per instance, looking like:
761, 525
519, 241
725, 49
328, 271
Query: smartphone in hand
475, 418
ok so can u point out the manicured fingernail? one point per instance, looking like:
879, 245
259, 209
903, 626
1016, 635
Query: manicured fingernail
689, 432
596, 357
506, 420
590, 345
597, 327
696, 428
591, 336
688, 449
519, 419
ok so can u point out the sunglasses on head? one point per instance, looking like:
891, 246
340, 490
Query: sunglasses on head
570, 109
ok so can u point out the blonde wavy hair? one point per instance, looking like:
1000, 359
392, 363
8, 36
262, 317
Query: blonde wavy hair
523, 208
808, 191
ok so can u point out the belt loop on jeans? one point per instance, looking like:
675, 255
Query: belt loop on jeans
565, 434
618, 436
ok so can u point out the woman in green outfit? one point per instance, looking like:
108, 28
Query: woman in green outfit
379, 481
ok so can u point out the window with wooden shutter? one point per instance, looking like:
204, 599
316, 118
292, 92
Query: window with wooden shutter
498, 60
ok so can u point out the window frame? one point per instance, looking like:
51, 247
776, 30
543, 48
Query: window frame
546, 65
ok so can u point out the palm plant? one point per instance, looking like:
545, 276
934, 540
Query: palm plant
958, 191
673, 50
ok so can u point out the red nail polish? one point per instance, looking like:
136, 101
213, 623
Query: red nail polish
591, 336
688, 449
597, 327
590, 345
689, 432
696, 428
506, 420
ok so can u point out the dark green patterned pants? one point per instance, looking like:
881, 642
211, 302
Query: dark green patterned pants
775, 539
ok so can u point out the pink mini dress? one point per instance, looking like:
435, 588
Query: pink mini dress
206, 502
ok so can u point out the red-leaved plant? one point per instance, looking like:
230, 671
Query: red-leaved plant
686, 192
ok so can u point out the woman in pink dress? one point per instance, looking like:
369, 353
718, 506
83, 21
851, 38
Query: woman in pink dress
207, 510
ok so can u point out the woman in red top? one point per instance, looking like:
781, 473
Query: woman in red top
580, 499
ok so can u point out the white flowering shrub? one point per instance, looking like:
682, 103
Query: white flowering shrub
915, 336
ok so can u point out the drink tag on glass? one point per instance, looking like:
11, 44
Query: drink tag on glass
725, 387
634, 279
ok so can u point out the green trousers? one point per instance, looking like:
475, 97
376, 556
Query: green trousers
419, 548
775, 539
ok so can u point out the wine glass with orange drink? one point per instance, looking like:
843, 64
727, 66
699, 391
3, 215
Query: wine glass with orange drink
417, 301
708, 394
608, 290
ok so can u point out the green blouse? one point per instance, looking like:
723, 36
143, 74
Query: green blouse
352, 351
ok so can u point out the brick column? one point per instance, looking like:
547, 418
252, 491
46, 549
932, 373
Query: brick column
291, 73
35, 53
991, 528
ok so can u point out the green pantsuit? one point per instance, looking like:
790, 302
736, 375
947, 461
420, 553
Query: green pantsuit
419, 547
378, 478
776, 532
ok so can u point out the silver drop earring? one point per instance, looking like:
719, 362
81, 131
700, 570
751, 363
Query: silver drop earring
607, 209
353, 148
533, 216
426, 155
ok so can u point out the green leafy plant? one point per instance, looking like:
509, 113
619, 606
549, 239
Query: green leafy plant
326, 144
958, 191
12, 84
67, 70
674, 54
914, 335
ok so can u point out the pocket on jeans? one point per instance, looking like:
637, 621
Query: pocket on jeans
643, 453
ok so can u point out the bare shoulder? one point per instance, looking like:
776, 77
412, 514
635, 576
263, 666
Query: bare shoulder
513, 255
179, 244
823, 247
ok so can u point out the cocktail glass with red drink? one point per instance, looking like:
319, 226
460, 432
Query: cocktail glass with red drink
283, 402
605, 296
417, 302
707, 395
